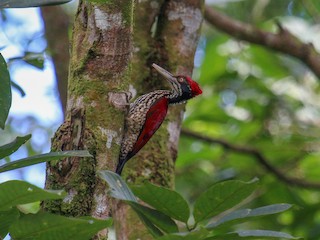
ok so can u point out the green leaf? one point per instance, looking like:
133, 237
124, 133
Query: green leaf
46, 226
17, 192
221, 197
243, 214
153, 219
5, 91
10, 148
159, 219
29, 3
264, 233
6, 219
35, 59
27, 208
163, 199
154, 231
43, 158
253, 234
118, 188
198, 234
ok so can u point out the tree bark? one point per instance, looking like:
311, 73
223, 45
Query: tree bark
99, 71
165, 32
105, 63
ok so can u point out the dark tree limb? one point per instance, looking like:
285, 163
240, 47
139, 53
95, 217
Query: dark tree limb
283, 41
260, 158
56, 29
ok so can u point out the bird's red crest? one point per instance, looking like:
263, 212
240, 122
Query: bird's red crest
195, 88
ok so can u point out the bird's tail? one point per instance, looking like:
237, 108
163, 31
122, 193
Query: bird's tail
120, 167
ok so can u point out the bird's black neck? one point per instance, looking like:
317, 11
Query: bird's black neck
178, 98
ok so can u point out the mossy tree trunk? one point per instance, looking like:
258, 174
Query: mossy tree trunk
111, 55
99, 73
167, 33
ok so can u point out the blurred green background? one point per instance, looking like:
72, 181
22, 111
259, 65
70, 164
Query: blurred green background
257, 98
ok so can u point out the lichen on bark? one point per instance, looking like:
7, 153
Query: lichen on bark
99, 66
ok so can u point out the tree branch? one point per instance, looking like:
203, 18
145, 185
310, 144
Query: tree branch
283, 41
261, 159
56, 29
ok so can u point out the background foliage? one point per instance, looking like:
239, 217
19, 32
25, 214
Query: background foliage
253, 98
257, 98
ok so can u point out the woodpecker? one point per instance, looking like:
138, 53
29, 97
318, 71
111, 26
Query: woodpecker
147, 113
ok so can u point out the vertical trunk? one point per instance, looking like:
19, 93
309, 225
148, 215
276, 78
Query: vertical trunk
165, 32
99, 71
58, 45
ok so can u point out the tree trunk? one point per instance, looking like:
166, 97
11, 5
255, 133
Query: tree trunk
165, 32
99, 70
105, 63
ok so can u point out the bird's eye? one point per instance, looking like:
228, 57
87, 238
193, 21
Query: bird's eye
180, 79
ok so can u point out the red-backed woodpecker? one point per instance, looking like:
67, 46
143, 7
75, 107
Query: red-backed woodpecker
147, 113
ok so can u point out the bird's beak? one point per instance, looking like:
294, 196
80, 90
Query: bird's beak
167, 75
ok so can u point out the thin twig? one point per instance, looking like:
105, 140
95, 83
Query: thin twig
283, 41
261, 159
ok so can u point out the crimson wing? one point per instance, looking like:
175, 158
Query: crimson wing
154, 119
